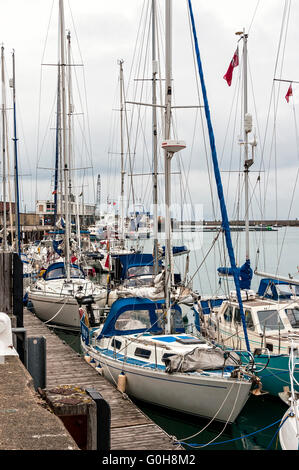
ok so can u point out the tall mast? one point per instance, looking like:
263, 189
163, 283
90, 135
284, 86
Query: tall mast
16, 171
64, 140
70, 127
247, 129
167, 158
155, 156
4, 241
57, 150
122, 175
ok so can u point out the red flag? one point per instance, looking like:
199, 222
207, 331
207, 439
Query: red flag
289, 93
107, 264
233, 63
54, 192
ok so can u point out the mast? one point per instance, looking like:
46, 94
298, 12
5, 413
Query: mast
122, 175
247, 129
16, 171
70, 127
167, 158
4, 240
155, 156
64, 141
57, 152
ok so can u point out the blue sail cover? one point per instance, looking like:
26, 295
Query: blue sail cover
136, 304
245, 274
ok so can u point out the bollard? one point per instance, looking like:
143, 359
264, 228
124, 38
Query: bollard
20, 341
103, 420
36, 360
6, 342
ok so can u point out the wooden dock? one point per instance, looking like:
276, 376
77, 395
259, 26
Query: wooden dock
131, 429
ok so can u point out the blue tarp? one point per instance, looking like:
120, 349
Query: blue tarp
135, 303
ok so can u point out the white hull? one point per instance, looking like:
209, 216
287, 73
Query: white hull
288, 435
61, 309
194, 394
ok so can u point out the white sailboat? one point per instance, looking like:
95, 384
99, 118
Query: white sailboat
142, 346
289, 426
53, 296
271, 314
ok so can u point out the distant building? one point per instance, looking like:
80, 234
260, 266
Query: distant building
45, 212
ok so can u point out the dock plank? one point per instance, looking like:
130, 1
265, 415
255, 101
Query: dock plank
131, 429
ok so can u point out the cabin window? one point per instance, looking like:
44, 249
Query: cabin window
237, 316
167, 355
57, 273
75, 272
116, 344
293, 316
269, 320
228, 314
248, 318
144, 353
140, 271
133, 320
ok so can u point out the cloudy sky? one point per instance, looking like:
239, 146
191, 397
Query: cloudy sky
104, 32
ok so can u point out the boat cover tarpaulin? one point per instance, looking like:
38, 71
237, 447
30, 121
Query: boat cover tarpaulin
201, 359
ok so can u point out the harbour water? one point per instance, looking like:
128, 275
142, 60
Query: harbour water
257, 426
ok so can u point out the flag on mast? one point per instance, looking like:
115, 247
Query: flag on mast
233, 63
289, 93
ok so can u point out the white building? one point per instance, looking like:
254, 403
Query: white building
45, 212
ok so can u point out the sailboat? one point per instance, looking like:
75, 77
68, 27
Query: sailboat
142, 346
53, 296
271, 314
289, 426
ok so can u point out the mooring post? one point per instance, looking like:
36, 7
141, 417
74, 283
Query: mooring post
36, 360
103, 420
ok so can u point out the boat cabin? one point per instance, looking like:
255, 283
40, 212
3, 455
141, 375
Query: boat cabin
267, 322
